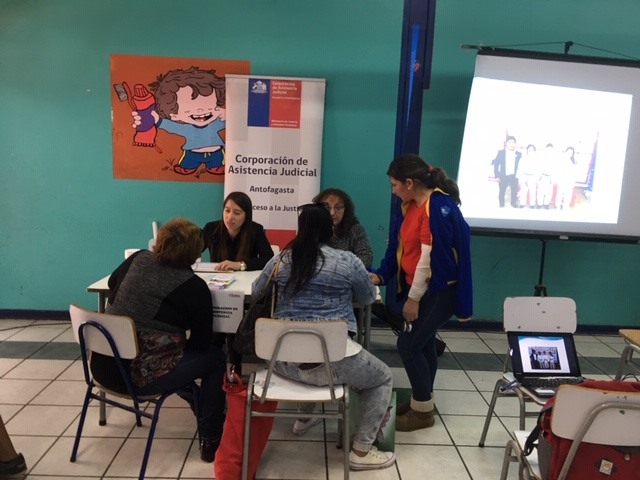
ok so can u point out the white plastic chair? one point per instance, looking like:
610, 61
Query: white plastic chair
276, 249
627, 362
300, 342
115, 336
529, 314
603, 417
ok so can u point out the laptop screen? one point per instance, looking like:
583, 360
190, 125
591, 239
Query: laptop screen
535, 354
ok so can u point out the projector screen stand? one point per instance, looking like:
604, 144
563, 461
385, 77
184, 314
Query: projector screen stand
540, 290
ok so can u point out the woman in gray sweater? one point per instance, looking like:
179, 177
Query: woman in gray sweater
348, 233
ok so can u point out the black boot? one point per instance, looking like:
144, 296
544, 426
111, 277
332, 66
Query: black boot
208, 449
13, 466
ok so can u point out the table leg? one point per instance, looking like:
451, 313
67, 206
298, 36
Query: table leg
367, 327
102, 420
360, 320
102, 300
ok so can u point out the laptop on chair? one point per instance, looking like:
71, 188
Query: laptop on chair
541, 362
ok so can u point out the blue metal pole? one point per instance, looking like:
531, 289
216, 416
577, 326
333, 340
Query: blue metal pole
415, 76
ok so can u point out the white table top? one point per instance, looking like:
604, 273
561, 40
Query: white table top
242, 282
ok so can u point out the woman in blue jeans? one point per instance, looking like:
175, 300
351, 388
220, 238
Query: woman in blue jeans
317, 282
434, 268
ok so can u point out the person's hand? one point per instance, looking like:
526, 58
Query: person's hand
137, 119
228, 266
375, 278
410, 310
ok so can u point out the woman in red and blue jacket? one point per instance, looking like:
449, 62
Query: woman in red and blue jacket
434, 273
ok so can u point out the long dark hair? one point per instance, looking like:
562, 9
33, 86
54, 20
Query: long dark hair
315, 228
412, 166
349, 216
245, 235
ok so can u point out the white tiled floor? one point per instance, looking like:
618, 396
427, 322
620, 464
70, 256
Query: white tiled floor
41, 390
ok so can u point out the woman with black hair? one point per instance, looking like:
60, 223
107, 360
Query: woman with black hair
348, 233
236, 241
317, 282
434, 272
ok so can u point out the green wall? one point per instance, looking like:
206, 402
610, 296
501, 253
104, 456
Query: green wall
66, 221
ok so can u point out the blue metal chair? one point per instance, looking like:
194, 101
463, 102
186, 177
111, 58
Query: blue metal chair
114, 336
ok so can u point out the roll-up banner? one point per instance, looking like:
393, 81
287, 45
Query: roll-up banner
274, 146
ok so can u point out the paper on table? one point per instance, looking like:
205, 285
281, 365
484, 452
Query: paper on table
220, 281
204, 266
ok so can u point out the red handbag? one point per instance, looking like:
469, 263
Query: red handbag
228, 460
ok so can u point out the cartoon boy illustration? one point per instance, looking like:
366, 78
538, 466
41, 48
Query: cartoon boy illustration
191, 103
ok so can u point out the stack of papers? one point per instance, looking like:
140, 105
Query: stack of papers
204, 266
220, 281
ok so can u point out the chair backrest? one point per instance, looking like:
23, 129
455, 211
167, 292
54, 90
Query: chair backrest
276, 249
301, 341
122, 330
539, 314
612, 426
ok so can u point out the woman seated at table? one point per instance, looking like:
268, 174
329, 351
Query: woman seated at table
348, 233
317, 282
236, 241
165, 299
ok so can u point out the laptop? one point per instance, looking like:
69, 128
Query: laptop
541, 362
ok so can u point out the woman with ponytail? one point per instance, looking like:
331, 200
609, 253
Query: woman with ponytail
434, 275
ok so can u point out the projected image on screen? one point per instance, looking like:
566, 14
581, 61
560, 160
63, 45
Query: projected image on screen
551, 146
544, 152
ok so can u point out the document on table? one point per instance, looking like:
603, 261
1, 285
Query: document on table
220, 281
204, 266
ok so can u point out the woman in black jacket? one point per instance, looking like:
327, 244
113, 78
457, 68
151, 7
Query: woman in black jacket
236, 241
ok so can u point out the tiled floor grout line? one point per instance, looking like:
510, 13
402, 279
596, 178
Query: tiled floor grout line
453, 437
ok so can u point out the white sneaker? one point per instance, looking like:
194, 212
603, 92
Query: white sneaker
373, 460
300, 427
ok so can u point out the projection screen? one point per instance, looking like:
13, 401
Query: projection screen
551, 147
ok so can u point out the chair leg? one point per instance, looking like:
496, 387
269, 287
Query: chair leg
152, 431
523, 410
102, 420
340, 434
83, 416
492, 406
624, 359
507, 459
136, 405
346, 448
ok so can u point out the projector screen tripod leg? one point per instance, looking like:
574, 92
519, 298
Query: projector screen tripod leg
540, 290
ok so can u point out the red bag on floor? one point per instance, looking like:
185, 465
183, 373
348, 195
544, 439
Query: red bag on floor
591, 461
228, 461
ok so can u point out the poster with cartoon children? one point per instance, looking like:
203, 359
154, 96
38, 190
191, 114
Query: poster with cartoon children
168, 117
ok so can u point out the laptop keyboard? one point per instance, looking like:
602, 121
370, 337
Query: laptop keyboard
552, 382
